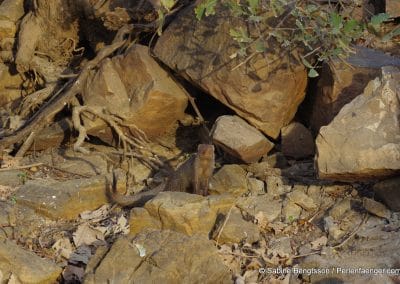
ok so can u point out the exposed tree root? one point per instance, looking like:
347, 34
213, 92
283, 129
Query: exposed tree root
137, 141
46, 113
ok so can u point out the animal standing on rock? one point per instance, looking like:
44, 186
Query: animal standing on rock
192, 176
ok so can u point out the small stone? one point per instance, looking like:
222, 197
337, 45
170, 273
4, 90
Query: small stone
241, 140
280, 247
303, 200
186, 213
297, 141
333, 229
276, 160
236, 230
376, 208
278, 185
389, 192
340, 208
291, 212
263, 208
256, 186
229, 179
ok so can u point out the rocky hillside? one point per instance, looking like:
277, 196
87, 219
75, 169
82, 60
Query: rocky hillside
300, 100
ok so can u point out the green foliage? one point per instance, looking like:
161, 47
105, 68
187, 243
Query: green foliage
23, 177
205, 8
324, 32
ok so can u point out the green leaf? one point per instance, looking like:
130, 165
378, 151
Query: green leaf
377, 20
168, 4
260, 46
240, 35
236, 8
336, 22
253, 6
210, 7
206, 7
312, 73
306, 63
350, 26
199, 11
391, 34
311, 8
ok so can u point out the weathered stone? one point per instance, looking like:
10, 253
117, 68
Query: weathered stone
187, 213
266, 95
26, 266
140, 219
338, 86
340, 208
291, 212
10, 85
263, 208
241, 140
12, 10
229, 179
303, 200
175, 258
63, 199
54, 135
278, 185
7, 29
134, 87
363, 141
236, 230
297, 141
11, 178
389, 192
262, 170
393, 8
333, 229
376, 208
256, 186
276, 160
280, 247
21, 222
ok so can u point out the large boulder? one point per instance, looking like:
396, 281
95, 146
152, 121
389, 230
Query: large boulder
341, 82
265, 90
134, 87
363, 141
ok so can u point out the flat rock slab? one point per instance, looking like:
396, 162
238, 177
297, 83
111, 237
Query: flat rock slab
26, 266
236, 230
63, 200
162, 257
230, 179
187, 213
363, 141
240, 139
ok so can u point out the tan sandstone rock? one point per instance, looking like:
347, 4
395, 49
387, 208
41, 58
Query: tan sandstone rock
363, 141
239, 139
265, 94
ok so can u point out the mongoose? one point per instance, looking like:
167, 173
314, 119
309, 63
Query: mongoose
192, 176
